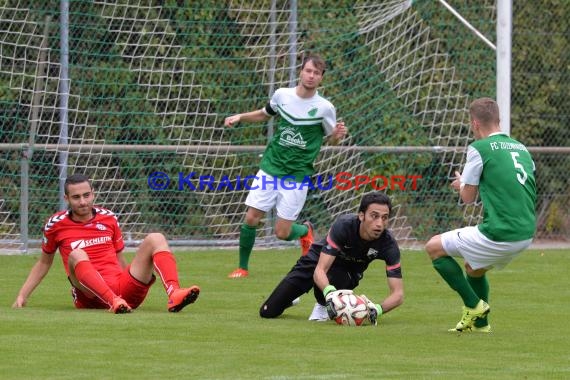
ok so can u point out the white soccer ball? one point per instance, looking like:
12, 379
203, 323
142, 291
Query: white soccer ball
351, 310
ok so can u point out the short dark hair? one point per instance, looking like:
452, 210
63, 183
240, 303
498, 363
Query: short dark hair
377, 197
317, 61
74, 179
485, 110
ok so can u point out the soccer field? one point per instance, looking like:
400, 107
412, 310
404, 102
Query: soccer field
221, 335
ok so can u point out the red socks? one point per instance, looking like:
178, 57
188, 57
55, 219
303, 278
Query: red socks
92, 280
165, 265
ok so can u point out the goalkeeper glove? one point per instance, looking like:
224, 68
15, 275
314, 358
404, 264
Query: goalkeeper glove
374, 311
328, 289
330, 292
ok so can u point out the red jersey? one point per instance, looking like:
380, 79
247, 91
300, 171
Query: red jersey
100, 237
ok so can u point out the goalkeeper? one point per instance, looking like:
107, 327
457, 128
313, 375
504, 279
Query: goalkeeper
305, 119
339, 262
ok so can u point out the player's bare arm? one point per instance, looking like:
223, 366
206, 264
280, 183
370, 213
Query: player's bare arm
248, 117
396, 296
37, 274
320, 275
468, 193
339, 133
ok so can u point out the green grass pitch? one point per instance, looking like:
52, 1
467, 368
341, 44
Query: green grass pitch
221, 336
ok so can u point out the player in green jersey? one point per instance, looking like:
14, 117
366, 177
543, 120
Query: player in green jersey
306, 119
502, 170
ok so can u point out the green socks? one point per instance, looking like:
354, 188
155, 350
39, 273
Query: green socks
452, 273
297, 231
246, 242
480, 286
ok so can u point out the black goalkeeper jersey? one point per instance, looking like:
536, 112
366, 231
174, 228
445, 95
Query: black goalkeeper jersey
355, 254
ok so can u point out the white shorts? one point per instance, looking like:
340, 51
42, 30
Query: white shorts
479, 251
268, 191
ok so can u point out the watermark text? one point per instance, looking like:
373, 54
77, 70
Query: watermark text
342, 181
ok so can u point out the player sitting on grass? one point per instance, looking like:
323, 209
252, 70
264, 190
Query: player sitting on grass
91, 243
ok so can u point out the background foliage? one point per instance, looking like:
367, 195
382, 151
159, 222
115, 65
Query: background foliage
168, 72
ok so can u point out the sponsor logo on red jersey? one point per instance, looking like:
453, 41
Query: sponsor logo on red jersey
89, 242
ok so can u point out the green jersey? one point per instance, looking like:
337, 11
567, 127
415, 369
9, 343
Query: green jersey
503, 169
300, 130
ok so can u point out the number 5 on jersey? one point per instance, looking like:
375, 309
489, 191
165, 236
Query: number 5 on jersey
521, 178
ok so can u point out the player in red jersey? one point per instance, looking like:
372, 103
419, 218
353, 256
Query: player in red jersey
91, 243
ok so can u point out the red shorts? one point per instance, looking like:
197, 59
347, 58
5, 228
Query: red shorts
126, 286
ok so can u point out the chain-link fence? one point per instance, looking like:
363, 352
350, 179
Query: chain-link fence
120, 90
